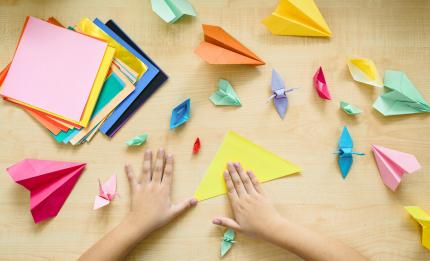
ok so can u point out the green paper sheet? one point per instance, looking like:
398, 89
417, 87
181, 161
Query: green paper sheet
349, 108
401, 96
138, 140
225, 96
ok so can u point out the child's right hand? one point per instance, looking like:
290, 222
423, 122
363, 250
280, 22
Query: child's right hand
254, 214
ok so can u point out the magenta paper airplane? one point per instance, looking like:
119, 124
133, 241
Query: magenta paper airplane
107, 192
393, 164
321, 85
49, 182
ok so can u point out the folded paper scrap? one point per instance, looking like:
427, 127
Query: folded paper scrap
180, 114
349, 108
420, 216
298, 18
320, 85
225, 96
227, 241
49, 182
172, 10
266, 165
107, 193
364, 70
345, 152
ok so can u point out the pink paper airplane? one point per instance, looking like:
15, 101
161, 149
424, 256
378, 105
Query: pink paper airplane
49, 182
107, 193
321, 85
393, 164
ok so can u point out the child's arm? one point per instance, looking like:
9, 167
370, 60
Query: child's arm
255, 215
150, 209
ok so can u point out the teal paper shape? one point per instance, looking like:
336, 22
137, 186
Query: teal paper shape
172, 10
349, 108
225, 96
227, 241
138, 140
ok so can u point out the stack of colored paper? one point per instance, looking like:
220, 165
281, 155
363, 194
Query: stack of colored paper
76, 81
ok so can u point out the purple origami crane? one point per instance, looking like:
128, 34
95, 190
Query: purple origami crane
279, 95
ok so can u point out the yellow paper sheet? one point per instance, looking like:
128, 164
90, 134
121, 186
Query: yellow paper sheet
87, 27
364, 70
103, 113
263, 163
94, 93
297, 17
423, 219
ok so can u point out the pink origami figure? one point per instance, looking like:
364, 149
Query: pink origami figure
107, 193
49, 182
393, 164
321, 85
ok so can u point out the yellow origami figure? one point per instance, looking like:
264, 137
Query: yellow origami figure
297, 17
364, 70
424, 220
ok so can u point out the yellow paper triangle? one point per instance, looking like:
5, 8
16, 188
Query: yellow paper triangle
297, 17
423, 219
263, 163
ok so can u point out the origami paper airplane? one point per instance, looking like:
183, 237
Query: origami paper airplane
172, 10
49, 182
279, 95
297, 17
266, 165
420, 216
197, 145
107, 193
219, 47
402, 97
364, 70
349, 109
225, 95
321, 85
180, 114
227, 241
138, 140
345, 152
393, 164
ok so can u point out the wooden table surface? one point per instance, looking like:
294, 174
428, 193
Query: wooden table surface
359, 210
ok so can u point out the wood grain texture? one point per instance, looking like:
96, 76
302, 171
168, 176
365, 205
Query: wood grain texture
359, 210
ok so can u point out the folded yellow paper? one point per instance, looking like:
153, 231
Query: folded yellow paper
263, 163
424, 220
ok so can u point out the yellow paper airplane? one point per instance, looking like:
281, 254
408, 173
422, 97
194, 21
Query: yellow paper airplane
424, 220
297, 17
266, 165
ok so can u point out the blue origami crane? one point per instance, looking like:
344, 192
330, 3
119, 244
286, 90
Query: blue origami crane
180, 114
345, 152
279, 94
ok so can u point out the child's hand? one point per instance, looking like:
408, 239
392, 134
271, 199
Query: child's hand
253, 212
151, 207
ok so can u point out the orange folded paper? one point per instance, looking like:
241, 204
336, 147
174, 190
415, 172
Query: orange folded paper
219, 47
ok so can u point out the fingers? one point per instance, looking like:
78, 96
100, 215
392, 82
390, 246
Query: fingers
180, 208
255, 182
157, 174
249, 187
132, 182
226, 222
168, 171
145, 177
237, 182
231, 190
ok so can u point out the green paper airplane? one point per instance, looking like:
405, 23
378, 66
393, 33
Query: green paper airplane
225, 96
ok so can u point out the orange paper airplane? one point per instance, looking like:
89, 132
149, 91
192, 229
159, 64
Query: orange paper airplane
219, 47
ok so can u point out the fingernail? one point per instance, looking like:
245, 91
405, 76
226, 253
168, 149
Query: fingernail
230, 164
225, 173
170, 156
250, 174
216, 221
193, 202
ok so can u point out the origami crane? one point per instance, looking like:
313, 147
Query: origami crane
197, 145
345, 152
321, 85
180, 114
349, 108
107, 193
279, 95
172, 10
225, 96
364, 70
138, 140
297, 17
219, 47
423, 219
402, 97
393, 164
227, 241
49, 182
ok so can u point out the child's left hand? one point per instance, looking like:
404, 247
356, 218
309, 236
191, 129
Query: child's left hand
151, 206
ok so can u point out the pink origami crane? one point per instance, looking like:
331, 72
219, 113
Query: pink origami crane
107, 193
321, 85
393, 164
49, 182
